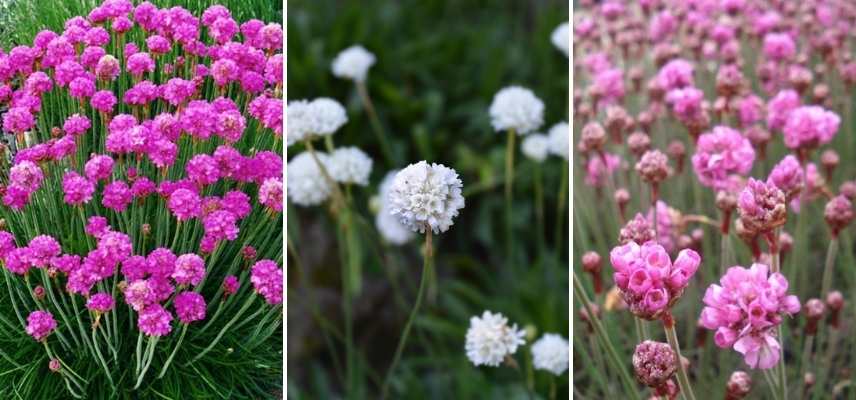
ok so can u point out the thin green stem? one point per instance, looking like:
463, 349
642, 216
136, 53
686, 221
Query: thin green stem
509, 197
375, 123
672, 337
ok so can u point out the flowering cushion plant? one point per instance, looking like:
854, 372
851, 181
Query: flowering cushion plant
141, 204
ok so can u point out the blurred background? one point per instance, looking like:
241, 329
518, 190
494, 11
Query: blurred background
439, 64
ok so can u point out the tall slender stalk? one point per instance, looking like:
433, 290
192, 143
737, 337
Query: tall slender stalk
426, 268
375, 123
509, 198
672, 337
828, 266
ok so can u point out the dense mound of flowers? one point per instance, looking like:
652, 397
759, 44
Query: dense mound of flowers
145, 169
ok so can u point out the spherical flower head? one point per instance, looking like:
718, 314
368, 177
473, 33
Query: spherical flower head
54, 365
592, 137
559, 140
745, 309
808, 127
306, 184
639, 230
140, 63
426, 196
18, 120
203, 169
42, 249
190, 307
353, 63
838, 213
349, 165
787, 175
270, 194
320, 117
155, 321
761, 206
516, 108
536, 147
161, 262
117, 195
76, 125
814, 309
220, 225
273, 70
134, 268
40, 324
230, 126
653, 167
189, 269
224, 71
38, 83
591, 262
185, 204
721, 153
19, 261
117, 246
551, 353
687, 103
26, 175
103, 101
779, 108
561, 38
675, 74
779, 46
82, 87
654, 363
609, 85
489, 339
77, 189
738, 386
158, 44
648, 281
266, 277
597, 173
7, 243
97, 226
100, 302
750, 110
230, 285
99, 167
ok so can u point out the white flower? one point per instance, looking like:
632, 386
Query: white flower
306, 185
426, 196
550, 353
561, 38
490, 339
320, 117
353, 63
516, 108
389, 226
535, 146
349, 165
559, 141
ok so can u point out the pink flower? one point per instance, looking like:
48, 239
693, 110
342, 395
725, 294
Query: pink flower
610, 83
76, 125
99, 167
236, 202
82, 87
122, 25
116, 246
676, 74
161, 262
787, 175
117, 195
141, 94
230, 285
596, 174
97, 36
103, 101
158, 44
270, 194
18, 120
139, 64
162, 153
38, 83
184, 204
662, 26
648, 280
176, 91
108, 68
142, 187
199, 119
810, 126
138, 294
779, 46
720, 153
273, 69
19, 261
780, 107
42, 249
220, 225
203, 170
66, 263
745, 309
266, 277
134, 268
155, 321
190, 307
26, 175
97, 226
40, 324
761, 206
230, 126
750, 110
189, 269
100, 302
7, 243
223, 29
270, 37
686, 103
224, 71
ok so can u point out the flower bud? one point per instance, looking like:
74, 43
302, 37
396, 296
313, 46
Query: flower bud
654, 363
738, 386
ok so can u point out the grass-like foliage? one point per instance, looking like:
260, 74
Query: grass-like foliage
739, 120
235, 351
438, 65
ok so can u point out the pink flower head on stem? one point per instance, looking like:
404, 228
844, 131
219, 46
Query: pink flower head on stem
40, 324
721, 153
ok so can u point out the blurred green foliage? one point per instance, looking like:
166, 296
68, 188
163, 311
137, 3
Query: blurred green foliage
439, 64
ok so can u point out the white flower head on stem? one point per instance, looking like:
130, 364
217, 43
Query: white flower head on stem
560, 140
561, 38
426, 196
306, 185
490, 339
353, 63
389, 226
350, 165
550, 353
517, 108
307, 120
535, 146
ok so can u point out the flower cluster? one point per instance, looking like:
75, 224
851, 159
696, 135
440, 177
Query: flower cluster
490, 339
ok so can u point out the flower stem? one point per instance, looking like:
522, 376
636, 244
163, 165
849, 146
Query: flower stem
831, 252
560, 211
426, 267
375, 122
509, 189
672, 336
174, 351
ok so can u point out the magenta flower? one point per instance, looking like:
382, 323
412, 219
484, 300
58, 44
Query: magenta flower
134, 268
42, 249
270, 194
18, 120
158, 44
27, 176
220, 225
176, 91
230, 285
203, 170
117, 195
76, 125
787, 175
97, 226
266, 277
19, 261
780, 107
779, 46
750, 109
7, 243
189, 270
686, 103
100, 302
40, 324
596, 174
745, 310
676, 74
38, 83
720, 153
190, 307
610, 84
138, 294
161, 262
99, 167
155, 321
648, 280
82, 87
66, 263
224, 71
761, 206
139, 64
808, 127
237, 203
184, 204
78, 190
103, 101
